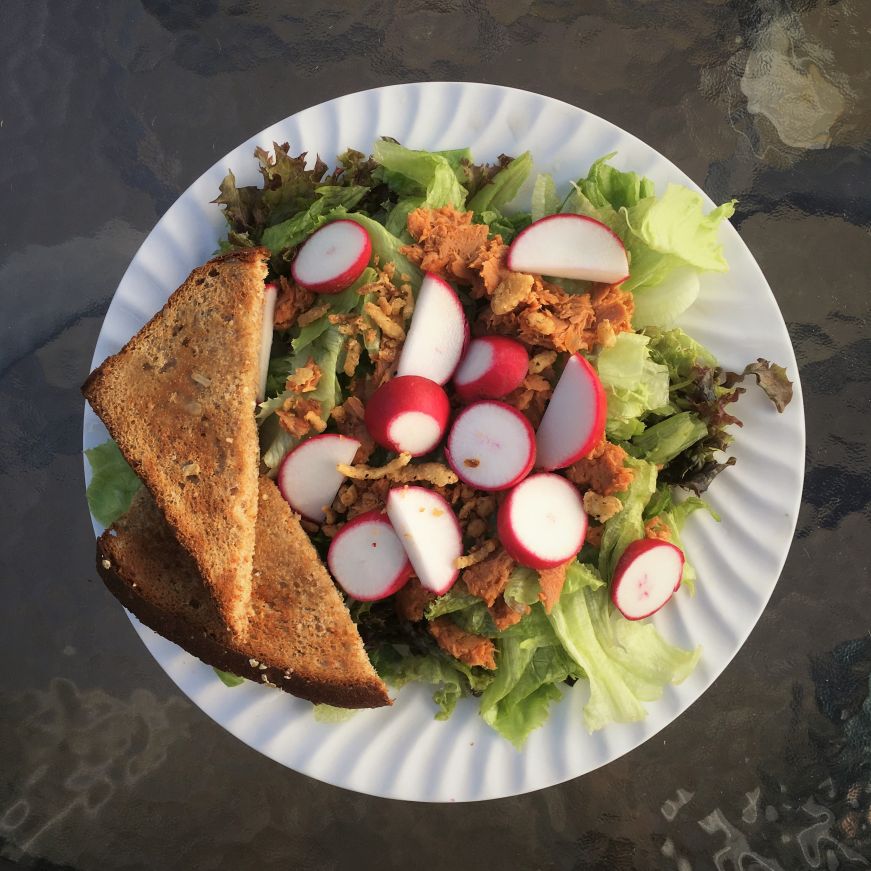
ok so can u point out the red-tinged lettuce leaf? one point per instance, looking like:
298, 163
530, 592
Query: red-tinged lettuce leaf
287, 188
770, 377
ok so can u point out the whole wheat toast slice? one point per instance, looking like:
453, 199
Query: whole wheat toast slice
179, 399
300, 635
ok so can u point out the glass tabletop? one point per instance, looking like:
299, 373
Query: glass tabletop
108, 112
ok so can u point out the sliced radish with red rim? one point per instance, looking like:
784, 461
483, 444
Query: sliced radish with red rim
542, 522
574, 420
270, 294
492, 367
646, 576
333, 257
438, 335
429, 532
308, 478
367, 558
408, 413
491, 445
570, 246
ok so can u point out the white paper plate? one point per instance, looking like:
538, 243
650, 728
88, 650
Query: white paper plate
402, 752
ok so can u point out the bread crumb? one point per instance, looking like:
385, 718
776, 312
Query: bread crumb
253, 663
106, 564
191, 469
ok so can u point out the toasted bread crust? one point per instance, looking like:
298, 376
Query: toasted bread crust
179, 400
301, 636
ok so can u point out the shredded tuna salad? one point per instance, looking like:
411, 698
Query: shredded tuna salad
512, 636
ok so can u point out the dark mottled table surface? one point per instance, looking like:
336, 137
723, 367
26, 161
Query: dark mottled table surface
108, 110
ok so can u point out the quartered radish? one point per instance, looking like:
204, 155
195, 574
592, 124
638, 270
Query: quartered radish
270, 294
491, 445
646, 577
429, 532
332, 258
308, 478
367, 558
542, 523
570, 246
408, 413
492, 367
574, 420
438, 334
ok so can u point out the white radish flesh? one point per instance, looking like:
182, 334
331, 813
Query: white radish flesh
574, 420
570, 246
438, 334
646, 577
270, 294
308, 478
491, 446
429, 532
333, 257
542, 523
492, 367
367, 558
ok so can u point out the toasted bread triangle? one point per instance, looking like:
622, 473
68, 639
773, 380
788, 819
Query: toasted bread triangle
300, 635
179, 399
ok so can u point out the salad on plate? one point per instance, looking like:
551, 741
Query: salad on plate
480, 406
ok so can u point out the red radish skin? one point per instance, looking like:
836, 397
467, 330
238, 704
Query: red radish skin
574, 420
491, 446
491, 368
429, 532
270, 294
408, 413
333, 257
646, 577
308, 478
438, 335
542, 522
570, 246
367, 558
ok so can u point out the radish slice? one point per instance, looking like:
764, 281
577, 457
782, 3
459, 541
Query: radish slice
542, 523
408, 413
367, 558
574, 420
270, 294
307, 476
646, 577
430, 534
438, 335
492, 367
570, 246
333, 257
491, 446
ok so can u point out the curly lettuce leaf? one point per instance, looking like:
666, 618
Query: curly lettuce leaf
287, 188
545, 199
295, 230
626, 662
113, 483
662, 234
663, 303
451, 679
627, 525
503, 187
771, 379
426, 174
634, 384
